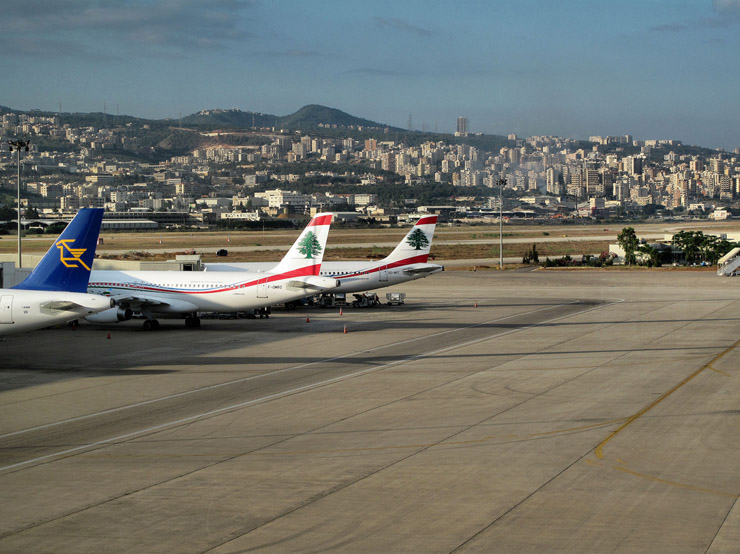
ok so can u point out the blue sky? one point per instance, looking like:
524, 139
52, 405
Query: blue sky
573, 68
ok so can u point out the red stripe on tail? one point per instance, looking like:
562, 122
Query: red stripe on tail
322, 220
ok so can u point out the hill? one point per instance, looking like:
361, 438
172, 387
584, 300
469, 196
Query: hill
314, 115
308, 117
232, 118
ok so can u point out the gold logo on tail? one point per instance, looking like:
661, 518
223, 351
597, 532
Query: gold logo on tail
76, 253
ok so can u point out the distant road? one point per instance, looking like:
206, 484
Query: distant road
284, 247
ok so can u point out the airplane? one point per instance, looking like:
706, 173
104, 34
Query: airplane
55, 291
178, 294
407, 262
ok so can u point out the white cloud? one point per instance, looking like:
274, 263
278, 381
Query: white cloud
159, 26
731, 7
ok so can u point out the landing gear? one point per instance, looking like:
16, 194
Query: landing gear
151, 325
192, 321
264, 312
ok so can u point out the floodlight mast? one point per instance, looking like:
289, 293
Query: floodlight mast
18, 144
501, 183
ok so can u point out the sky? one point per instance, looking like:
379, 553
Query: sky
655, 69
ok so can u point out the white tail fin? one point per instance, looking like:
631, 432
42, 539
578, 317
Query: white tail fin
415, 246
306, 254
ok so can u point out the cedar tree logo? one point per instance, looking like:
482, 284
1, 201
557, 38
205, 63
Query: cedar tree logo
309, 246
417, 239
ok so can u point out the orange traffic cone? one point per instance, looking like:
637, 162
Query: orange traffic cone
341, 312
108, 336
345, 329
308, 320
476, 304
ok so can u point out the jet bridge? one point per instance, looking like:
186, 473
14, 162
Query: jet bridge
728, 264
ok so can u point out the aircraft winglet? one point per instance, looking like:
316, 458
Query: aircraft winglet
66, 266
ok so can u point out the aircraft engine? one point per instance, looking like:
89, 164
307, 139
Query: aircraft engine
114, 315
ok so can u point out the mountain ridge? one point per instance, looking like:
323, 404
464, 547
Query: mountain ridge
308, 117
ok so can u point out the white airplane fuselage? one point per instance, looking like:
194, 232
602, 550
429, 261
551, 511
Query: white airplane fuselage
363, 276
352, 276
26, 310
182, 292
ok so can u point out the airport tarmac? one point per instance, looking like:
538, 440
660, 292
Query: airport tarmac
515, 411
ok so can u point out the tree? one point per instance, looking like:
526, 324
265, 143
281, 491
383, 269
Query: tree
531, 256
418, 239
651, 256
690, 242
309, 245
698, 247
714, 248
627, 239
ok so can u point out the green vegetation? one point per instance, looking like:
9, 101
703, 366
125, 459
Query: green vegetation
531, 256
698, 247
629, 242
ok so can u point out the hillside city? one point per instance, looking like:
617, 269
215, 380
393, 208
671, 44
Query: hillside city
230, 177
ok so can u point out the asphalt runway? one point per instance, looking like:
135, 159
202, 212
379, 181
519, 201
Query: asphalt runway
517, 411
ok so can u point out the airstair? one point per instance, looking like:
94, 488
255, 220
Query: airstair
729, 263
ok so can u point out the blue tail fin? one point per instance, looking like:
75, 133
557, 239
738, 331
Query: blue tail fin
66, 266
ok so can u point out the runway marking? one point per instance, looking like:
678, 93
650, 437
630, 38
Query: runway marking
621, 465
675, 483
599, 451
718, 371
288, 369
290, 392
508, 437
482, 440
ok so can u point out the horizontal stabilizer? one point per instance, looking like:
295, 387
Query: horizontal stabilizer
426, 269
313, 283
60, 305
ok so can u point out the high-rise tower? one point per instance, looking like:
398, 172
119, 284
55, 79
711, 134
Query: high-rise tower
462, 127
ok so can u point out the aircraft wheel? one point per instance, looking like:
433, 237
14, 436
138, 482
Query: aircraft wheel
147, 325
155, 324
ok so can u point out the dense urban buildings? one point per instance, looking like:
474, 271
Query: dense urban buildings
275, 173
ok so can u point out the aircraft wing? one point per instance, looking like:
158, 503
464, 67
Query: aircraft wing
137, 300
143, 302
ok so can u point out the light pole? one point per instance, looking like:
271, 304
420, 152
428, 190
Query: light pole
501, 183
18, 144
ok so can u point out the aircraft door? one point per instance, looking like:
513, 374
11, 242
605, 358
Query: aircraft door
383, 275
6, 309
262, 288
